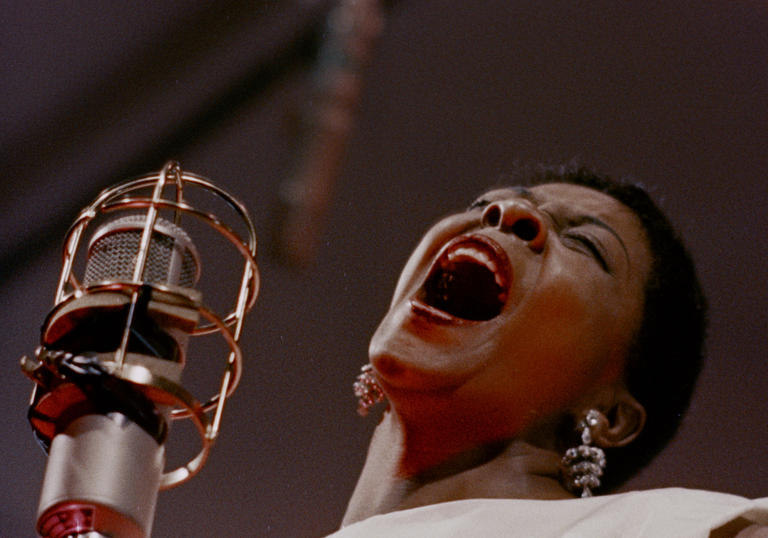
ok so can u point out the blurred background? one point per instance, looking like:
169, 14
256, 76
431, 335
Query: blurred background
449, 96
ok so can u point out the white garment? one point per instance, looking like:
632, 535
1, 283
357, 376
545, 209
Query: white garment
659, 513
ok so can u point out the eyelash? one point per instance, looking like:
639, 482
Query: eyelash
478, 203
588, 243
584, 240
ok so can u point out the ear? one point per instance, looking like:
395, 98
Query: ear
620, 420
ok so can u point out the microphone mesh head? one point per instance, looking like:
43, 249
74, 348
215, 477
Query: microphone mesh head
172, 258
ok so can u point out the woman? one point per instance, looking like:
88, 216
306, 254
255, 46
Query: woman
563, 314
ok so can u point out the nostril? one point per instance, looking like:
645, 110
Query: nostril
515, 218
526, 229
492, 215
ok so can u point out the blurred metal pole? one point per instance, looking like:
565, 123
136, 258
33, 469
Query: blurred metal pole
326, 123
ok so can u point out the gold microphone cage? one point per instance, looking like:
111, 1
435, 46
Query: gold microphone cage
168, 188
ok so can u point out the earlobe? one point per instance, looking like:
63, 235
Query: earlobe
614, 418
620, 423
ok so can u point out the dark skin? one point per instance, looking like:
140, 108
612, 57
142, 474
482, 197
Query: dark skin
475, 407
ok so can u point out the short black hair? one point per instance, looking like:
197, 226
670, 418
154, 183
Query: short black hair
667, 354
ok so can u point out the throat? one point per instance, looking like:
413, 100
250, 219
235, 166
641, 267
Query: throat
463, 461
402, 473
433, 455
517, 471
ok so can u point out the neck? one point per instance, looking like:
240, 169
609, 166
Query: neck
403, 470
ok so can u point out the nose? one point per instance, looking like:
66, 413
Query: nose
519, 218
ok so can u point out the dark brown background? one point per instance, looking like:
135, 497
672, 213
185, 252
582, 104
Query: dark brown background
673, 93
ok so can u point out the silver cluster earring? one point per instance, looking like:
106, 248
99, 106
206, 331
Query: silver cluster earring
583, 465
367, 390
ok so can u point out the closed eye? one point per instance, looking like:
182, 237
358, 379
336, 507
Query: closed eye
572, 235
587, 244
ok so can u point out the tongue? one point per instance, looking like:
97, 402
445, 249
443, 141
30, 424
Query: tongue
465, 289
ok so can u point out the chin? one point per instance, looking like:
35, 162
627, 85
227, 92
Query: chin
412, 352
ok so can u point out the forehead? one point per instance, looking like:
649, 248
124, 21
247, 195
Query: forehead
565, 194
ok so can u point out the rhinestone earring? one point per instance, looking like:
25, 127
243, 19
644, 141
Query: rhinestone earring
367, 390
583, 465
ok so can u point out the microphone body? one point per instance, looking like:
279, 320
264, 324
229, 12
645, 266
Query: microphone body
103, 472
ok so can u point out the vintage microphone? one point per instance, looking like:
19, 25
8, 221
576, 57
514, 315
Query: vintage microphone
108, 371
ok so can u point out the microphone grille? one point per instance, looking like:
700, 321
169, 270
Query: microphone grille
172, 258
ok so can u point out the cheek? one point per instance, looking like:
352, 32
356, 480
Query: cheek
567, 346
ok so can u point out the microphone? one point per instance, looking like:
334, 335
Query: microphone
108, 371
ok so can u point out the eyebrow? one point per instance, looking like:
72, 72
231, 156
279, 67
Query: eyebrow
526, 193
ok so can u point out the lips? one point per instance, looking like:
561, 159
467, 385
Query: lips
469, 281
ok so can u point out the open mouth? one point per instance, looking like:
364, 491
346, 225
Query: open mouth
470, 280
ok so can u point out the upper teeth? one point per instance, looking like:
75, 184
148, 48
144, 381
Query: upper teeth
480, 256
